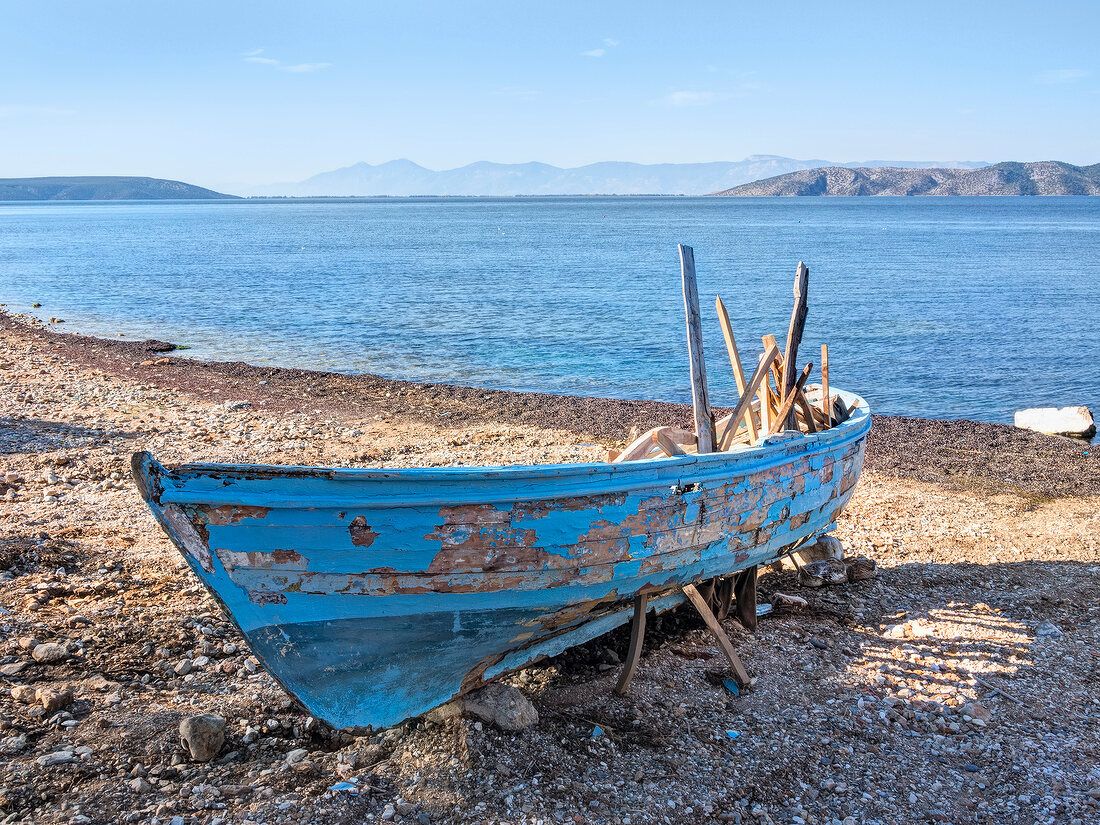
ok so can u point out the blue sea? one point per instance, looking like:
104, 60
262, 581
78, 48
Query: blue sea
933, 307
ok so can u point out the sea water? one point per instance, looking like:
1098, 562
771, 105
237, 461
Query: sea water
933, 307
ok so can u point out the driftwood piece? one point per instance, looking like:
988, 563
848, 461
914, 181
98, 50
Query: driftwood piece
794, 333
637, 637
825, 406
719, 634
704, 420
785, 408
735, 359
744, 406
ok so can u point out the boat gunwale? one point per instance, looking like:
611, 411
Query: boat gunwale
601, 477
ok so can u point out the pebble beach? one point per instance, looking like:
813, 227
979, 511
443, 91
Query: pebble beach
958, 685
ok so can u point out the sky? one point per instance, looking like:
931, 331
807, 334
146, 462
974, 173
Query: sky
230, 93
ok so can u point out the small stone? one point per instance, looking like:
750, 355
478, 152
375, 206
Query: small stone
388, 813
52, 699
183, 667
405, 808
202, 736
140, 785
56, 758
1046, 630
24, 694
296, 755
50, 653
977, 711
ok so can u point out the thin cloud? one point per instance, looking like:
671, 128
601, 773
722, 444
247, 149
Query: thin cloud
305, 67
595, 53
1054, 76
518, 92
298, 68
690, 98
31, 111
607, 41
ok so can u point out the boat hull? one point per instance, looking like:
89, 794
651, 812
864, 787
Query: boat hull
375, 595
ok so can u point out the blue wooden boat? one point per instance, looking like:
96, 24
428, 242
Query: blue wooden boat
374, 595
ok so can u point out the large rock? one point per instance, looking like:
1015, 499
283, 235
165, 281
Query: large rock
202, 736
50, 653
502, 705
1075, 421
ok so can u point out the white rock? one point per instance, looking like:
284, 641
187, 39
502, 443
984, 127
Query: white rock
1075, 421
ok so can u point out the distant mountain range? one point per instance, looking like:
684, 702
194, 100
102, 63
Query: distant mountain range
403, 178
101, 189
1043, 178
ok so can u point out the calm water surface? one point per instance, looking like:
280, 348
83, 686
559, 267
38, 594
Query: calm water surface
950, 308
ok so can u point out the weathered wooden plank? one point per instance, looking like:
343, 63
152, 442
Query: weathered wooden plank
704, 420
637, 637
662, 437
794, 333
766, 397
826, 407
744, 406
807, 411
783, 415
735, 359
716, 630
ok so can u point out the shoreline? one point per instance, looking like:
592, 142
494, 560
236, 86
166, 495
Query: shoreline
952, 452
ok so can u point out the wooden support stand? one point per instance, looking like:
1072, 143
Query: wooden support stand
637, 637
719, 634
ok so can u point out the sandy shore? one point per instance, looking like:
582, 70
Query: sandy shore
934, 692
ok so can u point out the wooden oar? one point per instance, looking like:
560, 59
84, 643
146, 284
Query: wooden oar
826, 407
700, 402
745, 404
735, 358
794, 333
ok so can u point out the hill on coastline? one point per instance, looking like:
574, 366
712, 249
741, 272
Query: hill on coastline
1043, 178
105, 188
398, 178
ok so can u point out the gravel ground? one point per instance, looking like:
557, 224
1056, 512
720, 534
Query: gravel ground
957, 686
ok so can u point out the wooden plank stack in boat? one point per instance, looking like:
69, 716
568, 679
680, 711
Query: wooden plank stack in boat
775, 398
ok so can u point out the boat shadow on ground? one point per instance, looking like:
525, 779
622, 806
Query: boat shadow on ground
37, 435
932, 635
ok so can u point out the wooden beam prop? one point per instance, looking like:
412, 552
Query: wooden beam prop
744, 406
637, 637
794, 334
826, 407
704, 420
735, 358
784, 412
719, 634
